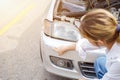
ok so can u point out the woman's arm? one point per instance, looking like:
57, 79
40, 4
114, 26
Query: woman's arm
62, 49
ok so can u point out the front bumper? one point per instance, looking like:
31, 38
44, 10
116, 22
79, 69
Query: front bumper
47, 45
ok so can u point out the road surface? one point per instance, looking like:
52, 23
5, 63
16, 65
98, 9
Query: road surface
20, 27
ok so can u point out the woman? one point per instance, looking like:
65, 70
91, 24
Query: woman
100, 28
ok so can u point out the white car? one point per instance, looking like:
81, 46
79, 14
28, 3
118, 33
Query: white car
60, 29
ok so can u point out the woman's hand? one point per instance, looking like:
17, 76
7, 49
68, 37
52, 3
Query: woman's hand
62, 49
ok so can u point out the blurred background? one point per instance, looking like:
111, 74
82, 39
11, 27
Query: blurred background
20, 26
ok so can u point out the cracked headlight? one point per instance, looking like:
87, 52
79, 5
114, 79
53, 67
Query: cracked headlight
62, 30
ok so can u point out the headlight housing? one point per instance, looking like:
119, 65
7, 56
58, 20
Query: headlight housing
61, 30
61, 62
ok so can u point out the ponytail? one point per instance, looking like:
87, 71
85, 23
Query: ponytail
118, 33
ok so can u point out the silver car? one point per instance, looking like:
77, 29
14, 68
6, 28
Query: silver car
61, 28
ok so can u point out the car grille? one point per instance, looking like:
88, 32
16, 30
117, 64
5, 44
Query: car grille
87, 69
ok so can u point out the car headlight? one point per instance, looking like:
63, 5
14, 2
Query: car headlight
61, 30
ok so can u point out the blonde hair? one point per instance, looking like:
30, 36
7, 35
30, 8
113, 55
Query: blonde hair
99, 24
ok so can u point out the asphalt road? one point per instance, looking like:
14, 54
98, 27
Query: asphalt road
24, 62
19, 41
